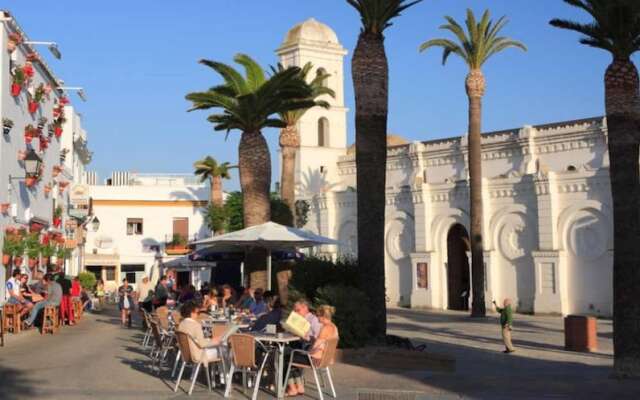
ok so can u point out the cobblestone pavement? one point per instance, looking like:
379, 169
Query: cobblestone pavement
99, 359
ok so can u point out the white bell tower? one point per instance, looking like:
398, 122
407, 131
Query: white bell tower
323, 132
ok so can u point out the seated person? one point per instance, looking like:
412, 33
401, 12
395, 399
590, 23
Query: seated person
295, 385
187, 293
302, 307
245, 300
210, 300
86, 300
54, 298
228, 296
190, 325
258, 307
13, 294
163, 317
273, 315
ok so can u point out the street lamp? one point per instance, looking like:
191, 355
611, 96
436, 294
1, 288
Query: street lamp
32, 163
95, 224
53, 48
78, 89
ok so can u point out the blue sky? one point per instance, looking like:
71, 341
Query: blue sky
137, 60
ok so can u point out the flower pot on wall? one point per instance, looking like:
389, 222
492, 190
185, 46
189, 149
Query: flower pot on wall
30, 181
15, 89
33, 106
6, 259
4, 208
57, 131
47, 190
57, 222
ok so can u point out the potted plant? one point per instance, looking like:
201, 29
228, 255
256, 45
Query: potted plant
61, 255
57, 169
14, 40
177, 245
33, 57
18, 249
28, 70
29, 133
4, 208
36, 99
42, 121
30, 180
7, 124
64, 100
57, 217
57, 127
47, 251
43, 143
8, 249
18, 81
47, 189
32, 244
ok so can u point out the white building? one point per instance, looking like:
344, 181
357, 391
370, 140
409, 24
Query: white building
139, 215
547, 203
32, 207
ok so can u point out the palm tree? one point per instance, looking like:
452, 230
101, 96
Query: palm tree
208, 169
475, 47
249, 104
616, 28
370, 72
290, 137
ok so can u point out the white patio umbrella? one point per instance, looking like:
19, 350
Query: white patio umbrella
269, 236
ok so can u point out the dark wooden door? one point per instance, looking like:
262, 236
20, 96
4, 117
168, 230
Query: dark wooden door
458, 279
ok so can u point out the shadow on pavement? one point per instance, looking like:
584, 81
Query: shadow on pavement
15, 385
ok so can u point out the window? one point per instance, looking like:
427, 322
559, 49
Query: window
111, 273
134, 226
323, 132
181, 227
320, 72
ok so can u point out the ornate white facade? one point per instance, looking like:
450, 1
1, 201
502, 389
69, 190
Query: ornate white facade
547, 203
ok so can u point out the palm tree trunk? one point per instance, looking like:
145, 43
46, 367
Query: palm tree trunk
255, 181
370, 79
289, 142
623, 122
475, 85
216, 191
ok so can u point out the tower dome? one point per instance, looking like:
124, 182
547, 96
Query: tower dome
311, 31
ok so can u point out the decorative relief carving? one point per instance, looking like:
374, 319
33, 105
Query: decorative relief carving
587, 234
399, 238
514, 236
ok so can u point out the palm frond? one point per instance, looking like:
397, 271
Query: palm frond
255, 73
477, 44
376, 15
615, 26
231, 76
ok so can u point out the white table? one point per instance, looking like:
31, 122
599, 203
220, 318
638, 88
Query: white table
280, 342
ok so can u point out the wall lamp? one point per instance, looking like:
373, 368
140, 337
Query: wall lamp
78, 89
53, 47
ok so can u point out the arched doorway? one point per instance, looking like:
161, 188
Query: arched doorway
458, 279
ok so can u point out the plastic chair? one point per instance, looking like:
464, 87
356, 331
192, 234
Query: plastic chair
189, 360
322, 366
243, 352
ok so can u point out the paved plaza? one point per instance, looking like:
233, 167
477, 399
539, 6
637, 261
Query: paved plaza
99, 359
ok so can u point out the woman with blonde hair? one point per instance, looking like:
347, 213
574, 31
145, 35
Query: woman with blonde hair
328, 331
211, 299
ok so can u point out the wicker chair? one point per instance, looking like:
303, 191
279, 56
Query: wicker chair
160, 346
322, 366
50, 320
188, 360
146, 340
243, 358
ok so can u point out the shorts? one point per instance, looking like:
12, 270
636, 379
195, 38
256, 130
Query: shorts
14, 301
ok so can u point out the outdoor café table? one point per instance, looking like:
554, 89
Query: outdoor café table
280, 342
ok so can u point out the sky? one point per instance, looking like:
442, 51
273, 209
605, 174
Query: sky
138, 59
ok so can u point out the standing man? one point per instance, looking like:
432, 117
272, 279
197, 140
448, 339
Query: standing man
506, 322
161, 294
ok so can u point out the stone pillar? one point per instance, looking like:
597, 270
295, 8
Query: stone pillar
548, 296
422, 296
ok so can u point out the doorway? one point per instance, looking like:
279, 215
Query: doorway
458, 276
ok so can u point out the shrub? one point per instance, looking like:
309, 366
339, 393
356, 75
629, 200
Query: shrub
313, 273
353, 316
87, 280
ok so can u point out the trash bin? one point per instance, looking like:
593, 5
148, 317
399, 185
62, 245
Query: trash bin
580, 333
